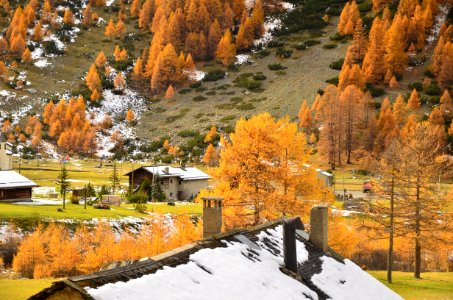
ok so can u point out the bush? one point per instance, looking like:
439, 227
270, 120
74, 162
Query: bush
74, 199
196, 85
366, 6
139, 197
300, 46
245, 106
283, 53
429, 73
275, 44
433, 90
140, 207
434, 100
199, 98
333, 80
188, 133
337, 64
416, 85
259, 77
262, 53
310, 43
214, 75
50, 47
233, 68
200, 89
275, 67
184, 91
337, 37
374, 91
329, 46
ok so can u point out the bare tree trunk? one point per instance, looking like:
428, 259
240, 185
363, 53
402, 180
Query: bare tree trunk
417, 268
391, 231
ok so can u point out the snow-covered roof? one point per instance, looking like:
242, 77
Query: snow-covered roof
10, 179
186, 173
246, 269
241, 265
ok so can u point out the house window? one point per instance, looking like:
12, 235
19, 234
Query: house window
165, 184
171, 194
171, 180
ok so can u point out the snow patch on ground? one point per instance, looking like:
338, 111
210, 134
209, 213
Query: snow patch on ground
288, 6
37, 53
52, 37
438, 22
50, 150
269, 26
109, 2
116, 107
42, 63
243, 59
348, 281
40, 202
195, 75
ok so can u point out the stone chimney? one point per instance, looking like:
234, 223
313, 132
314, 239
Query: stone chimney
212, 216
318, 226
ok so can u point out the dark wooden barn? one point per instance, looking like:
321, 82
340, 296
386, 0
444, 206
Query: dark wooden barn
15, 187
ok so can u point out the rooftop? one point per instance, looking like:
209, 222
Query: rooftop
11, 179
245, 264
186, 173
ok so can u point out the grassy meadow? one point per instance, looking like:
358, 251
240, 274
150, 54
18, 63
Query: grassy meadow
432, 286
18, 289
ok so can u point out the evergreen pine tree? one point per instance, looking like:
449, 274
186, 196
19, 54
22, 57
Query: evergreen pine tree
114, 178
157, 192
63, 183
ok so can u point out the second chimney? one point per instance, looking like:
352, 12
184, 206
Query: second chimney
212, 216
318, 226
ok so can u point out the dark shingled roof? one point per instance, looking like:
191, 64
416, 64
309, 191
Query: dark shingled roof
135, 269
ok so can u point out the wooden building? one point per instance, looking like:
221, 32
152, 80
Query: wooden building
15, 187
182, 183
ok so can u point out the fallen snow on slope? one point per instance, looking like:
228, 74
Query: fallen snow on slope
348, 281
438, 22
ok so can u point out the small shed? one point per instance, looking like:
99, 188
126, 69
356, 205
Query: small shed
15, 187
111, 200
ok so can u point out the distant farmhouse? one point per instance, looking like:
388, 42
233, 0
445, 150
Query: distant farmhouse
182, 183
15, 187
277, 260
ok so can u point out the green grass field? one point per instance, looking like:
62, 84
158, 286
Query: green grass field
18, 289
432, 286
77, 212
80, 172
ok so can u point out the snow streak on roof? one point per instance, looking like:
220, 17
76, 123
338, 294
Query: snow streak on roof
12, 179
239, 271
187, 173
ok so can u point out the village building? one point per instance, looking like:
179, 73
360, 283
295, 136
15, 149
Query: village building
277, 260
15, 187
183, 183
6, 158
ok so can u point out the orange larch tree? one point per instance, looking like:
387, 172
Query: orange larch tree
226, 50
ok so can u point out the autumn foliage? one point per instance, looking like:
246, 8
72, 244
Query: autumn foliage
69, 126
55, 252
